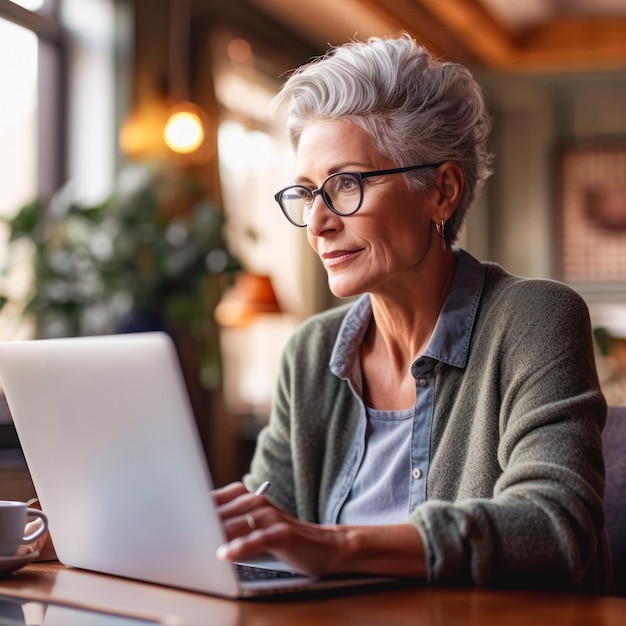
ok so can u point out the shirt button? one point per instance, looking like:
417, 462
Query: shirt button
423, 382
417, 473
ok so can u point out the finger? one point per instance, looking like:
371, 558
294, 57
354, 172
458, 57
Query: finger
251, 520
229, 492
273, 539
244, 546
242, 504
240, 526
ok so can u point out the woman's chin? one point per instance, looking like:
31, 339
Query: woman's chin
343, 289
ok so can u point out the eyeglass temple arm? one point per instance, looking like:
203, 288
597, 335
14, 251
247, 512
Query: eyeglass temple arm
399, 170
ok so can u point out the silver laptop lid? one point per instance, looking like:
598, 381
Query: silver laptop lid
111, 442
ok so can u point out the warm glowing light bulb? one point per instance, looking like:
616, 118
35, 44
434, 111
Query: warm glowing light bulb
183, 132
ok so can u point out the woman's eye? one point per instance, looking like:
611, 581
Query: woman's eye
346, 183
304, 194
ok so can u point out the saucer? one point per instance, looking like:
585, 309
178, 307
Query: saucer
9, 564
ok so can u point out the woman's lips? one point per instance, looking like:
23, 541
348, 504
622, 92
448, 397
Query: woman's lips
338, 257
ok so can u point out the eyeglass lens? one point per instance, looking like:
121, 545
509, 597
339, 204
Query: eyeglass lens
342, 192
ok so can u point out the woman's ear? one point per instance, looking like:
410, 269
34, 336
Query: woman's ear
448, 188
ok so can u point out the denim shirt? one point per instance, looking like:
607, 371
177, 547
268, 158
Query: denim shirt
449, 343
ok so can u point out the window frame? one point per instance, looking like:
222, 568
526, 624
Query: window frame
52, 89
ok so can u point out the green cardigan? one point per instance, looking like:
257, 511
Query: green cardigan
516, 478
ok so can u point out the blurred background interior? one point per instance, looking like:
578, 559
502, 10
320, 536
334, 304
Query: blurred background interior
138, 165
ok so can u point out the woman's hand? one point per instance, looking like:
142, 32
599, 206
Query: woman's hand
254, 526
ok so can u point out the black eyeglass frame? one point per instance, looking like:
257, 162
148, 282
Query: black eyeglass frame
359, 176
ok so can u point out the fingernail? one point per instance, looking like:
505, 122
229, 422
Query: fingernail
222, 553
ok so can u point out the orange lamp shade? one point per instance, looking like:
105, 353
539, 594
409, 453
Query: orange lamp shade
250, 296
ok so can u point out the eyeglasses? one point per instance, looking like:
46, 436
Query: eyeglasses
342, 192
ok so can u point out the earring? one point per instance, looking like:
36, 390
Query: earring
441, 232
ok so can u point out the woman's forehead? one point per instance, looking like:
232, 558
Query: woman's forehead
335, 145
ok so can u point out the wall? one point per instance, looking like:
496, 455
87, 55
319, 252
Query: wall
533, 118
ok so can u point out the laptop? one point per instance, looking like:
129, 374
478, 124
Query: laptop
112, 446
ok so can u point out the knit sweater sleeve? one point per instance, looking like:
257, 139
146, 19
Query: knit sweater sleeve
523, 420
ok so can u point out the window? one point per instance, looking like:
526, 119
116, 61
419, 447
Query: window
57, 117
18, 115
23, 54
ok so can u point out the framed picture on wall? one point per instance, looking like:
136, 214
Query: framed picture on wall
592, 197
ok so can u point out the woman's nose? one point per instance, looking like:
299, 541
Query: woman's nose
320, 218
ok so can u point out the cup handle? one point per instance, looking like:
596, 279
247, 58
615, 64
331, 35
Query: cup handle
34, 513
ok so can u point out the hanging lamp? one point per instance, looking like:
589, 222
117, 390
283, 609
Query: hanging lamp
184, 129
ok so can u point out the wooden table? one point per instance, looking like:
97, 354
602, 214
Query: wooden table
419, 606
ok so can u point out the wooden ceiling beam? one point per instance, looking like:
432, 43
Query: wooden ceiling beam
424, 27
476, 29
575, 44
561, 45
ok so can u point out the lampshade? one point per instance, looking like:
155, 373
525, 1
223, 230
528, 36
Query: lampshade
250, 296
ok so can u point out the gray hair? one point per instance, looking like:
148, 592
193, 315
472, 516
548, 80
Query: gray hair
418, 109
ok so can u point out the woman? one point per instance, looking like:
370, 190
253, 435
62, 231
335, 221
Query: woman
446, 425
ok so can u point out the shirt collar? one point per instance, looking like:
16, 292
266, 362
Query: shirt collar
450, 340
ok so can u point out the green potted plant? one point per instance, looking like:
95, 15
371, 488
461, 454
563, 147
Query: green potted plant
150, 257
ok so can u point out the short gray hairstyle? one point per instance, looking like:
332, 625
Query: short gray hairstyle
417, 108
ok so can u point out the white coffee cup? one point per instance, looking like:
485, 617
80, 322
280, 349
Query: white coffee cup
13, 519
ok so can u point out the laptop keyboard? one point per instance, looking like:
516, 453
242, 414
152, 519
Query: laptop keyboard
251, 573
